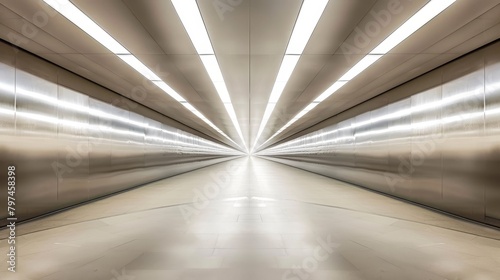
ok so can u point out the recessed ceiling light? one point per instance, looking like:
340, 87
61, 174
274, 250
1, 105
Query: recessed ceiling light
139, 67
193, 23
192, 20
77, 17
419, 19
332, 89
310, 13
364, 63
308, 18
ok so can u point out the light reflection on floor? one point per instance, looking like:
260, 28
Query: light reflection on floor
253, 219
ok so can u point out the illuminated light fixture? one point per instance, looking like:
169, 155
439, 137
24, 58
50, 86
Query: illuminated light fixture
77, 17
265, 118
234, 119
423, 16
215, 74
361, 66
308, 18
189, 106
166, 88
286, 69
192, 20
310, 106
331, 90
72, 13
193, 23
419, 19
310, 13
133, 62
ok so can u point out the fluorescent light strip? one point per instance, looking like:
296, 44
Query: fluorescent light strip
265, 118
193, 23
215, 74
419, 19
286, 69
170, 91
332, 89
203, 118
139, 67
310, 13
423, 16
361, 66
77, 17
309, 16
192, 20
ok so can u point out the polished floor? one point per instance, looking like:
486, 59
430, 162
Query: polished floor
252, 219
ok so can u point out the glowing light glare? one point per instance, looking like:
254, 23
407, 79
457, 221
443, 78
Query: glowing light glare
262, 198
287, 66
286, 69
265, 118
310, 13
419, 19
6, 111
297, 117
236, 198
193, 23
310, 106
309, 16
170, 91
215, 74
94, 112
424, 15
139, 67
331, 90
234, 119
189, 106
77, 17
212, 67
190, 15
364, 63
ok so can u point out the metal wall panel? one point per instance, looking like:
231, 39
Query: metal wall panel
397, 178
100, 149
69, 148
36, 143
463, 123
439, 147
73, 159
491, 142
7, 116
426, 164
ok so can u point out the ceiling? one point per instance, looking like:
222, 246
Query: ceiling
249, 38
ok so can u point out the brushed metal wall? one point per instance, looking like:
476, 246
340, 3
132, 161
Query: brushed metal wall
439, 146
69, 148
